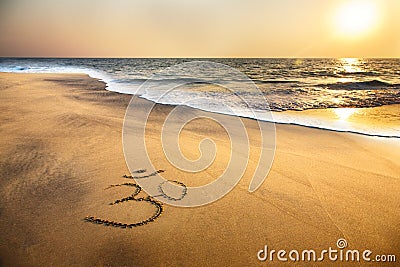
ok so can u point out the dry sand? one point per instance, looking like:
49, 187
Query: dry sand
61, 147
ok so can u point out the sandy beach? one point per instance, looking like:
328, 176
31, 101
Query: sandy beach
61, 147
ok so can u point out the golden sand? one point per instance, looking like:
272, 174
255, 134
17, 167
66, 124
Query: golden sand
61, 147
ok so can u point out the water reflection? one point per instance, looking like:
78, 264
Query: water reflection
344, 113
351, 65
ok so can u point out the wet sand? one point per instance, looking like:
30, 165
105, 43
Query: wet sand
61, 147
381, 121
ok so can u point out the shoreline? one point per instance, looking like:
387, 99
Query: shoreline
323, 114
61, 147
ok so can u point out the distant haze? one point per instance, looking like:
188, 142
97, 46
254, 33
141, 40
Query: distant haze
193, 28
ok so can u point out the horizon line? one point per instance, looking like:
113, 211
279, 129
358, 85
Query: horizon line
112, 57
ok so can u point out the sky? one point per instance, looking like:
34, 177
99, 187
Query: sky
200, 28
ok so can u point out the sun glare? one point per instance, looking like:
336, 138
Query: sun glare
351, 65
344, 113
356, 18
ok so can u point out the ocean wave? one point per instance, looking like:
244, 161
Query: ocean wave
367, 85
208, 80
358, 73
316, 84
274, 81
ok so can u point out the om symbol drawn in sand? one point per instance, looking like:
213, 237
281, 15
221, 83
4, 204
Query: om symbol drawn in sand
149, 199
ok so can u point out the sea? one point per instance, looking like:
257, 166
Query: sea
288, 88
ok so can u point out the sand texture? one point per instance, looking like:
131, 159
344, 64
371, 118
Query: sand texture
61, 146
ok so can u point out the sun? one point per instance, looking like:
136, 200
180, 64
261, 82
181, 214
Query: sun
357, 17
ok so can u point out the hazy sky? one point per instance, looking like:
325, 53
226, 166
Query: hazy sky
199, 28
